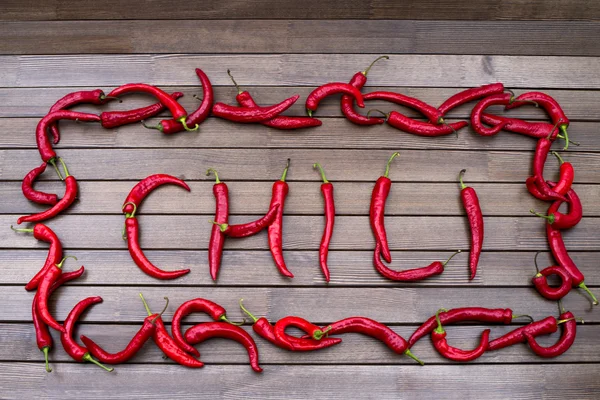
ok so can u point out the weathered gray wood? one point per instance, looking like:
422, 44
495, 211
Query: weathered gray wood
388, 305
268, 164
329, 9
19, 338
300, 70
572, 38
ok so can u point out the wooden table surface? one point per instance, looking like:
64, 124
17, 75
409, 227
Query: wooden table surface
276, 49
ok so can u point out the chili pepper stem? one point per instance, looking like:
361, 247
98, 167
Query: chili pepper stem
234, 82
88, 357
285, 171
411, 355
523, 315
222, 227
163, 310
145, 304
21, 229
563, 128
45, 350
158, 127
460, 178
254, 319
309, 112
53, 163
387, 166
214, 171
550, 217
366, 71
182, 122
560, 160
60, 264
224, 319
537, 269
569, 140
450, 258
385, 115
584, 287
134, 209
449, 126
318, 166
318, 334
64, 167
440, 328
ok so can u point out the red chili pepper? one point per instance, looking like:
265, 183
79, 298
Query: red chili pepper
539, 160
252, 114
85, 96
559, 220
544, 326
567, 338
312, 330
534, 129
408, 275
358, 81
113, 119
328, 89
327, 190
176, 109
169, 126
377, 210
215, 311
550, 105
561, 255
566, 177
478, 314
377, 330
41, 136
34, 195
42, 334
422, 128
201, 332
471, 204
432, 113
275, 230
540, 281
438, 336
249, 228
144, 187
217, 238
264, 329
167, 344
496, 99
72, 348
63, 204
469, 95
279, 122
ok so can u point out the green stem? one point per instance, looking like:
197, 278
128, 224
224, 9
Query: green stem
214, 171
441, 120
60, 264
411, 355
158, 127
163, 310
387, 166
254, 319
234, 82
385, 115
440, 328
224, 319
569, 140
52, 161
561, 309
523, 315
318, 334
134, 209
560, 160
460, 178
21, 229
536, 265
145, 305
450, 258
553, 128
64, 166
222, 227
285, 171
317, 165
366, 71
182, 122
309, 112
563, 128
45, 350
582, 285
88, 357
551, 218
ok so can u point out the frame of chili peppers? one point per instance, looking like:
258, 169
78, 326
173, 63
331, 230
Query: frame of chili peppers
179, 348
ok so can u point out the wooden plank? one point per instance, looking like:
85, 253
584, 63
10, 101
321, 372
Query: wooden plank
254, 198
318, 305
268, 164
325, 9
570, 38
177, 232
17, 344
299, 70
513, 269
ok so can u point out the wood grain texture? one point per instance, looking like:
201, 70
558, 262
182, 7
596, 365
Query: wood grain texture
572, 38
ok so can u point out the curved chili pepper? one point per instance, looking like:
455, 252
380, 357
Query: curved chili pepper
249, 228
377, 209
327, 190
63, 204
217, 238
169, 126
539, 160
275, 230
144, 187
279, 122
252, 114
42, 233
540, 281
422, 128
113, 119
42, 334
201, 332
167, 344
34, 195
72, 348
550, 105
328, 89
534, 129
264, 329
215, 311
544, 326
566, 176
176, 109
312, 330
96, 97
408, 275
438, 336
469, 95
432, 113
496, 99
559, 220
479, 314
567, 338
471, 204
358, 81
43, 142
561, 255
